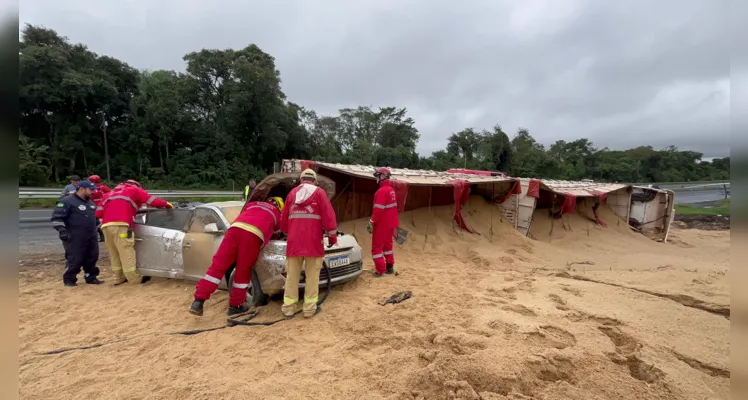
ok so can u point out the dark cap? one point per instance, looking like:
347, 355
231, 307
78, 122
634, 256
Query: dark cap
75, 178
87, 185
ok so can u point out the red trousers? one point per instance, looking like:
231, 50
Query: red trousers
240, 247
381, 248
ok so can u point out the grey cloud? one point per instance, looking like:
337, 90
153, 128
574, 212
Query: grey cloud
564, 69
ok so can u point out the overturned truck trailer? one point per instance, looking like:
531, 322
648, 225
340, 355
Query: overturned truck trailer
646, 210
652, 211
354, 187
560, 197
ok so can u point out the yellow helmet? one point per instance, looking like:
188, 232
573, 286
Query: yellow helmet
276, 201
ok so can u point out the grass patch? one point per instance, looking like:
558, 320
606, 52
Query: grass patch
719, 207
50, 203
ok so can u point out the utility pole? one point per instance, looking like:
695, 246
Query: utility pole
106, 146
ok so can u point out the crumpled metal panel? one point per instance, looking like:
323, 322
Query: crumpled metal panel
271, 265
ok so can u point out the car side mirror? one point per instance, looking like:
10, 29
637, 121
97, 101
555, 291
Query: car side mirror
212, 228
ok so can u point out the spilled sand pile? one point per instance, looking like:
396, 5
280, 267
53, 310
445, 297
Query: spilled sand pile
585, 313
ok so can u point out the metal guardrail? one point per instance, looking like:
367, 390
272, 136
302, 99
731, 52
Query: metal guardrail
689, 186
47, 193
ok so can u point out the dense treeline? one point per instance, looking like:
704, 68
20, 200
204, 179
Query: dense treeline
226, 119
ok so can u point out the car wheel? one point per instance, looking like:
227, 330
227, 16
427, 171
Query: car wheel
255, 296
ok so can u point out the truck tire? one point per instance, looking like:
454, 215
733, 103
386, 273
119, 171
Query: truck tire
255, 296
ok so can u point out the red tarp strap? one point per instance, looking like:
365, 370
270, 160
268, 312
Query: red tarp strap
516, 189
475, 172
533, 189
468, 172
308, 164
597, 217
461, 196
401, 191
602, 195
570, 203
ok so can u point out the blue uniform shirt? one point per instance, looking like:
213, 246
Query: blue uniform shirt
69, 189
76, 215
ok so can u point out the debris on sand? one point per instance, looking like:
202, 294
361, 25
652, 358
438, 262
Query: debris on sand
397, 298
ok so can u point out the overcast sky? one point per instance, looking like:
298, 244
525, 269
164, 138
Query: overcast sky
621, 73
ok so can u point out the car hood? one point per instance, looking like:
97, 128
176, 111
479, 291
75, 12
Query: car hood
344, 241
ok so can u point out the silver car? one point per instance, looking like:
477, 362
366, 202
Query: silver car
180, 243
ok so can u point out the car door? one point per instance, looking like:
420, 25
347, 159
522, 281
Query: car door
199, 246
159, 237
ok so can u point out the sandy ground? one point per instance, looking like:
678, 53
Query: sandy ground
582, 312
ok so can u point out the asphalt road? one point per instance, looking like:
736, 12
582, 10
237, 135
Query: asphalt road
698, 196
39, 237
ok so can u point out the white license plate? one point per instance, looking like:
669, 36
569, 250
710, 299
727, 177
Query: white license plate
339, 261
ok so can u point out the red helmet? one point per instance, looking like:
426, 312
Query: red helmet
382, 172
132, 182
94, 179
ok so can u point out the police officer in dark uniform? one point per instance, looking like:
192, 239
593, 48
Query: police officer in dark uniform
75, 220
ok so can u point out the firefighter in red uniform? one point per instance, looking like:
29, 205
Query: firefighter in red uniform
117, 213
97, 196
241, 246
308, 212
382, 225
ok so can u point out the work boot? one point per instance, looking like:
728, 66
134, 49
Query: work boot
290, 310
390, 269
71, 284
119, 283
94, 281
310, 314
145, 279
197, 307
378, 274
241, 308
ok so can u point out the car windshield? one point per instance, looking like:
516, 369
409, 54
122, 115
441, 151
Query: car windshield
231, 212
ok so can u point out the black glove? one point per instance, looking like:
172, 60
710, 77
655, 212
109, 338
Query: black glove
64, 235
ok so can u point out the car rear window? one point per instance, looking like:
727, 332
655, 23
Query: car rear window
231, 212
175, 219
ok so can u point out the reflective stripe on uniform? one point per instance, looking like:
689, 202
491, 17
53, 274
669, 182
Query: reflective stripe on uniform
150, 200
129, 269
250, 228
240, 285
120, 197
99, 208
116, 268
290, 300
266, 210
332, 233
387, 253
116, 223
380, 255
391, 205
212, 279
310, 299
58, 223
304, 216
